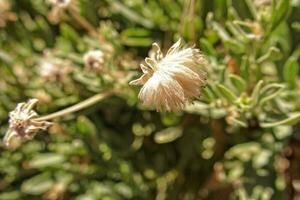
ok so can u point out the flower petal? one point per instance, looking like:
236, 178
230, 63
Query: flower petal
151, 63
175, 47
140, 81
157, 54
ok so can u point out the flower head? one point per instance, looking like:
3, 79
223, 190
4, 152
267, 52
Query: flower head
172, 80
94, 60
23, 124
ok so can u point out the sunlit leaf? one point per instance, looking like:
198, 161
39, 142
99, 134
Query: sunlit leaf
167, 135
227, 93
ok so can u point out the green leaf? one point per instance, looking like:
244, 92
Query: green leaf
208, 95
220, 8
237, 32
270, 92
136, 37
227, 93
220, 30
261, 159
239, 151
235, 46
296, 26
37, 185
124, 190
290, 71
244, 67
5, 57
167, 135
130, 14
85, 126
282, 132
69, 33
138, 42
240, 123
272, 54
13, 195
207, 47
135, 32
252, 9
256, 92
279, 12
46, 160
238, 82
198, 108
290, 121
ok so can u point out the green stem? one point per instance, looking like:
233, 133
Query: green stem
81, 105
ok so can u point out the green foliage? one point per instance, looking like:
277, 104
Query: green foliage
227, 144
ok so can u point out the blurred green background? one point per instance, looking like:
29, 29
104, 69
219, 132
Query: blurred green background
239, 140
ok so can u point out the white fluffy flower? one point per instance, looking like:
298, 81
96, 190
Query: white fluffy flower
22, 123
172, 80
94, 60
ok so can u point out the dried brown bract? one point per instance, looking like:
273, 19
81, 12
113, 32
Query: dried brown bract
23, 124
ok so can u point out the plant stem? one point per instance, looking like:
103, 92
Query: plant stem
84, 23
81, 105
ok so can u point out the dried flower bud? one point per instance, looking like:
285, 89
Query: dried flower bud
22, 123
94, 60
58, 9
54, 69
172, 80
5, 13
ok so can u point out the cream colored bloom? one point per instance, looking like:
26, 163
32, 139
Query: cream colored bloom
22, 123
172, 80
54, 69
94, 60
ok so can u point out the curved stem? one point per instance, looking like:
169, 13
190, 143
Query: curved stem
81, 105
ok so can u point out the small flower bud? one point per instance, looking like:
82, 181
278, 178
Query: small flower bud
94, 60
54, 69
